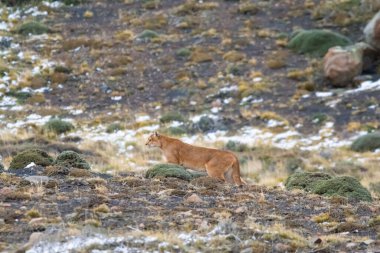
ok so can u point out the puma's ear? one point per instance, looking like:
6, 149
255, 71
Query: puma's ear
156, 134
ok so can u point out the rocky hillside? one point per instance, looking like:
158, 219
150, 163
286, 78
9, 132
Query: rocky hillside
290, 86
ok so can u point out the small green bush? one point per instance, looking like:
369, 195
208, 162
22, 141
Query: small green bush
147, 35
180, 130
317, 42
114, 127
1, 168
294, 163
71, 159
28, 156
368, 142
16, 2
62, 69
169, 170
32, 27
21, 96
172, 116
346, 186
236, 146
72, 2
305, 180
58, 126
183, 52
323, 184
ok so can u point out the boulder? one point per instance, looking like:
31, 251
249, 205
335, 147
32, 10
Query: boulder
372, 32
317, 42
341, 65
368, 142
71, 159
26, 157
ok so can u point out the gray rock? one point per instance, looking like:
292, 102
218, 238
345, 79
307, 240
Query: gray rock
372, 32
37, 179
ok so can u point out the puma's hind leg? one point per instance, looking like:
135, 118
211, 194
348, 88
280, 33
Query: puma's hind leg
213, 170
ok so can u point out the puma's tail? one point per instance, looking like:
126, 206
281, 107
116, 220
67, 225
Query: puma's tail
236, 173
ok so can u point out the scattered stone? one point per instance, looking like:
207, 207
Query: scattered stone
372, 32
242, 209
37, 224
281, 247
317, 42
37, 179
71, 159
24, 158
194, 199
351, 245
168, 170
342, 65
368, 142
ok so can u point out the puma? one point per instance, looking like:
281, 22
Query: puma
220, 164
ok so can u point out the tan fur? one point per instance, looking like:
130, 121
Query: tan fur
220, 164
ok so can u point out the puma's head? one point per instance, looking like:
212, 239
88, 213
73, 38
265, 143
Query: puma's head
154, 140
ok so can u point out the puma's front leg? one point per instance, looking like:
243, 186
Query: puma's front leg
172, 159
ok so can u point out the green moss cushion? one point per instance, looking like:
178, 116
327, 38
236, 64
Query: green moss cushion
368, 142
317, 42
71, 159
28, 156
169, 170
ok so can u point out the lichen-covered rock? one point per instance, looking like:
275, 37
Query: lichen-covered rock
372, 32
305, 180
341, 65
39, 157
346, 186
169, 170
33, 27
317, 42
71, 159
368, 142
58, 126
